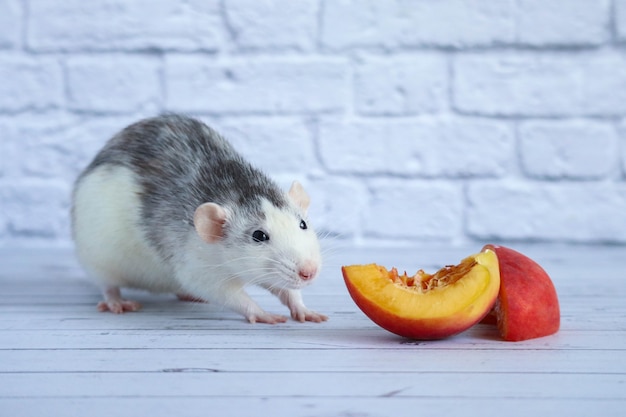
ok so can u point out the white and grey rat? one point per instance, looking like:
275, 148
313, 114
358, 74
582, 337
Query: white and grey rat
168, 205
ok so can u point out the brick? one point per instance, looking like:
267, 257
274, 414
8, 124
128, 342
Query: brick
4, 220
277, 146
36, 208
563, 22
620, 19
622, 134
273, 24
571, 212
11, 23
262, 85
348, 23
406, 209
400, 23
104, 25
54, 145
401, 85
568, 150
429, 147
3, 156
35, 83
115, 84
33, 145
336, 206
540, 84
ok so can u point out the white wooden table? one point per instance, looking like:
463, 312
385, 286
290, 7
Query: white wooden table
60, 357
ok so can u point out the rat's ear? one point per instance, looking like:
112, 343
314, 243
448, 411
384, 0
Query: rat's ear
209, 220
299, 196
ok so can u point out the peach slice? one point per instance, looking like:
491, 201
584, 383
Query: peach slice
527, 305
426, 306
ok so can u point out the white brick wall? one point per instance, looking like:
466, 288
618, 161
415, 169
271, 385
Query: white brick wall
409, 121
576, 150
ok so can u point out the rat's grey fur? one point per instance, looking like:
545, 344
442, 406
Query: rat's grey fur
181, 163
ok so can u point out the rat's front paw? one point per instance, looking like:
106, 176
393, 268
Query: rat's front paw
266, 318
303, 314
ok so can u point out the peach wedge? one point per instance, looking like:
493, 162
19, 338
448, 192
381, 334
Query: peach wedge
527, 305
426, 306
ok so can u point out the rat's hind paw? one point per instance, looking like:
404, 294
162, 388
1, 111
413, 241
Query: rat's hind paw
114, 302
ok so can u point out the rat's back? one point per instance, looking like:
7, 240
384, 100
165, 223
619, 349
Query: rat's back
176, 163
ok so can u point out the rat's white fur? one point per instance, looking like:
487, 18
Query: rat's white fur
108, 242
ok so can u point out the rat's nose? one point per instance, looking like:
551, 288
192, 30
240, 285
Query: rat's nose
307, 271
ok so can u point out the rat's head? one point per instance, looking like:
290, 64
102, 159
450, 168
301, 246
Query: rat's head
269, 245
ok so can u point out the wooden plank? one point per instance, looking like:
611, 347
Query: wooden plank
315, 360
156, 304
86, 308
306, 407
215, 319
313, 384
68, 292
307, 337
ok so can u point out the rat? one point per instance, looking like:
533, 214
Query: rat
168, 205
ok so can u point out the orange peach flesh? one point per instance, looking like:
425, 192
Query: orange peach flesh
426, 306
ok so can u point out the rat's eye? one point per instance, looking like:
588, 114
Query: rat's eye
303, 225
260, 236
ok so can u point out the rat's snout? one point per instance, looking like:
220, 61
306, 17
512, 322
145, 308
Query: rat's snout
307, 271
